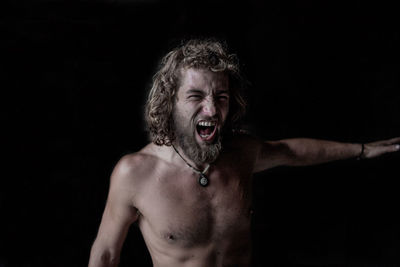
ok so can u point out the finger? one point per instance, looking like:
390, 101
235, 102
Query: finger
395, 140
390, 148
391, 141
379, 150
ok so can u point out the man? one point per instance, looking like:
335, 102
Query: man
190, 189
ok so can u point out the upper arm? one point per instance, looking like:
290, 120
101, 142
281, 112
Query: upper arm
272, 154
119, 212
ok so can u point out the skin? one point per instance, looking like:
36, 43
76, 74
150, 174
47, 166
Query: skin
184, 224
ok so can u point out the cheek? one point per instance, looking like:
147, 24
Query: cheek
182, 110
224, 111
185, 115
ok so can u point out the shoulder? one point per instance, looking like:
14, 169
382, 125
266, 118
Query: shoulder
243, 142
243, 148
246, 141
133, 169
262, 154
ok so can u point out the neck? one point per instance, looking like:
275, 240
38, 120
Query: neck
179, 153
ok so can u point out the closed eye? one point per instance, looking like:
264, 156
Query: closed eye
222, 97
194, 96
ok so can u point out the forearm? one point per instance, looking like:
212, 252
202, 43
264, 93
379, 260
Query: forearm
304, 151
103, 257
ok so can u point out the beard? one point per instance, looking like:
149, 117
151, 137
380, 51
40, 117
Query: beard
185, 137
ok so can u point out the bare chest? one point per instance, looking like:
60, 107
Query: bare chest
177, 210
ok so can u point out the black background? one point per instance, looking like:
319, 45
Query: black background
74, 77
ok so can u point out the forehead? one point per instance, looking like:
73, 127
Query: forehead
203, 79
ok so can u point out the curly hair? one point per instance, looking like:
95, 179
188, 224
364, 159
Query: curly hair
195, 53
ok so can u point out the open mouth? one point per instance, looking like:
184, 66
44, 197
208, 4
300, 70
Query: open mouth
206, 129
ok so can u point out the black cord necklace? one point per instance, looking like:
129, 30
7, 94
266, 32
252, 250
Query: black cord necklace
203, 179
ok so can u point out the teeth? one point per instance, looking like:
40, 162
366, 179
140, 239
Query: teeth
207, 123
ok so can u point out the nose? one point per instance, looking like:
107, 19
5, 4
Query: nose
209, 107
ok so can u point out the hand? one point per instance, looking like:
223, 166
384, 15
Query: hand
378, 148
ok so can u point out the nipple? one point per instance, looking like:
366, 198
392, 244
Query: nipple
170, 237
251, 212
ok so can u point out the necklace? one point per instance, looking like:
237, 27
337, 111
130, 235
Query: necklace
203, 179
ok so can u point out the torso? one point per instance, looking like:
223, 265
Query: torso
185, 224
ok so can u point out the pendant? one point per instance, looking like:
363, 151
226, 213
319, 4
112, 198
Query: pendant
203, 180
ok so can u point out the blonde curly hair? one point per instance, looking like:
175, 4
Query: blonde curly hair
195, 53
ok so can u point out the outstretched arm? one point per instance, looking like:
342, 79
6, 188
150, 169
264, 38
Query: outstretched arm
303, 151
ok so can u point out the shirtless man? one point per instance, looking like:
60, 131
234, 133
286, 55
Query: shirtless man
190, 188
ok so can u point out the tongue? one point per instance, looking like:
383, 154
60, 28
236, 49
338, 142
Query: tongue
205, 130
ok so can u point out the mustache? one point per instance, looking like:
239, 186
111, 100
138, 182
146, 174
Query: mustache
197, 116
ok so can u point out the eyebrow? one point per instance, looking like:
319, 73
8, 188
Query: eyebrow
197, 91
194, 91
220, 92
